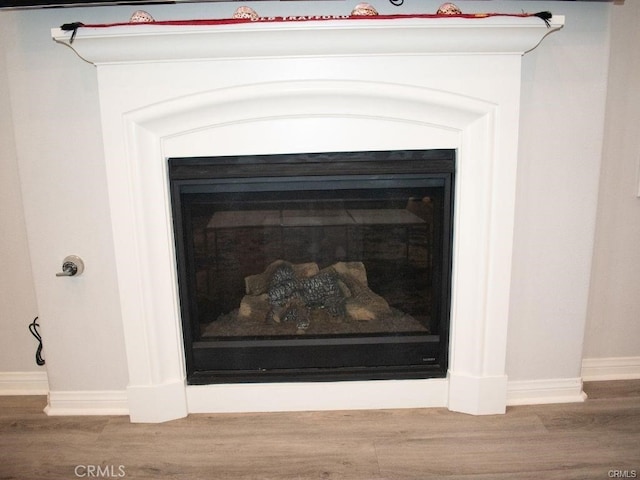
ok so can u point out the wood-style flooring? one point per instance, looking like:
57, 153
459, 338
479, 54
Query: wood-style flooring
598, 439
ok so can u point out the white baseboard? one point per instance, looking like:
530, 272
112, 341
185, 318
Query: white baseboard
537, 392
24, 383
116, 402
110, 402
614, 368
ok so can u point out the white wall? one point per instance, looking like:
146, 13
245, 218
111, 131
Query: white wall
614, 312
55, 114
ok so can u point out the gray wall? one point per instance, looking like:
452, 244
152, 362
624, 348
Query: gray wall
49, 98
614, 307
17, 297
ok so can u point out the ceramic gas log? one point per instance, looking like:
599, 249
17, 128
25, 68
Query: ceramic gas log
301, 298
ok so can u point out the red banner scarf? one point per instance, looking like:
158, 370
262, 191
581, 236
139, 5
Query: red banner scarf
545, 16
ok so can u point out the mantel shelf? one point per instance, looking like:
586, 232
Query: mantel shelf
142, 43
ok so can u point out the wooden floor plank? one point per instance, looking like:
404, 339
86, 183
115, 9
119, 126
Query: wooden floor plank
545, 442
613, 389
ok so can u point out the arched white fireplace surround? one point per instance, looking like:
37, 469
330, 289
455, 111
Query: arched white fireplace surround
321, 87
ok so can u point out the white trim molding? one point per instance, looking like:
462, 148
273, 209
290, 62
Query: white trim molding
317, 396
110, 402
613, 368
485, 173
407, 36
24, 383
537, 392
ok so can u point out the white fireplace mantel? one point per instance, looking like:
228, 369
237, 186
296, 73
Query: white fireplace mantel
301, 87
401, 36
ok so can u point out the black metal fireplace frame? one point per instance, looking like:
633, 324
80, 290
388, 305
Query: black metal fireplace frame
234, 361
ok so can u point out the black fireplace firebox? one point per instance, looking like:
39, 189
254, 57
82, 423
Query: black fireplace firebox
314, 267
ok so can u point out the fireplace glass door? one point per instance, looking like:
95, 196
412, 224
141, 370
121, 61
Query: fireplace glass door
314, 266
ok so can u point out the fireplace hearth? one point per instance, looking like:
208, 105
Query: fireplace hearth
331, 266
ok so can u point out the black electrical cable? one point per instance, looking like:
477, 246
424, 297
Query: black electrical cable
33, 328
397, 3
